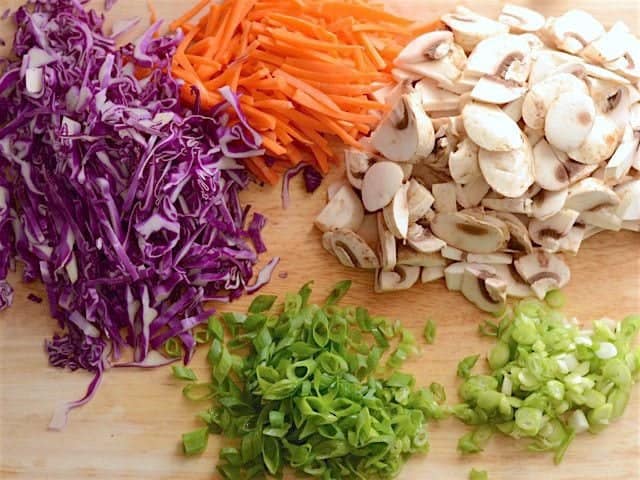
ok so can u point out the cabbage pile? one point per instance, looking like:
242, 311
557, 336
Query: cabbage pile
125, 206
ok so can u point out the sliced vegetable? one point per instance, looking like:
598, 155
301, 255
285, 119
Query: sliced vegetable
430, 331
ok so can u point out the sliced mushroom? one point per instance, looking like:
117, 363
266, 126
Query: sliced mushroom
547, 204
521, 19
600, 143
504, 56
469, 28
574, 30
516, 286
335, 187
622, 160
401, 75
430, 274
549, 171
547, 233
445, 72
577, 171
591, 230
468, 233
351, 249
388, 253
590, 193
380, 184
543, 271
356, 165
406, 133
396, 214
471, 194
514, 109
463, 162
402, 277
602, 217
519, 240
629, 193
453, 275
419, 200
451, 253
344, 210
434, 98
496, 90
571, 242
482, 287
426, 47
490, 128
608, 47
512, 205
368, 231
628, 65
408, 256
423, 240
489, 258
445, 197
547, 62
569, 120
508, 173
541, 95
631, 226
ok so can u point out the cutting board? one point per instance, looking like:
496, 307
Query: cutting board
131, 430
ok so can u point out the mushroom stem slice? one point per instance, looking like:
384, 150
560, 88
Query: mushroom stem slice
444, 195
408, 256
548, 233
469, 28
422, 240
351, 249
402, 277
430, 274
344, 210
426, 47
419, 200
396, 214
406, 134
380, 184
543, 271
521, 19
463, 162
470, 234
388, 253
482, 287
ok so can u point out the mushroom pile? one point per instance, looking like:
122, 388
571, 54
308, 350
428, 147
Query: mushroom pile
507, 144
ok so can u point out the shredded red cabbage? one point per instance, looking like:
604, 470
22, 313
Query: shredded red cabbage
124, 207
312, 178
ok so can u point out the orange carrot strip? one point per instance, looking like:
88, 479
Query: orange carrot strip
304, 99
300, 41
305, 87
303, 26
371, 50
426, 27
321, 158
153, 13
273, 146
263, 120
188, 15
361, 102
361, 12
212, 19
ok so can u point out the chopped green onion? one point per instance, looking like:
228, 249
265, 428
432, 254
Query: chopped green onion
184, 373
262, 303
173, 348
430, 331
195, 442
555, 299
339, 291
478, 474
465, 366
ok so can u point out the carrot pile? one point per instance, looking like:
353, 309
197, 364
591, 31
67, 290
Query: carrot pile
305, 70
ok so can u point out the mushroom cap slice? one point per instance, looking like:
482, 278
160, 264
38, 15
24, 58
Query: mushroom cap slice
380, 184
490, 128
335, 187
388, 252
419, 200
571, 242
514, 109
511, 205
408, 256
396, 214
629, 193
434, 98
422, 240
541, 95
521, 19
569, 120
351, 249
469, 28
471, 194
406, 134
453, 275
402, 277
463, 162
543, 271
622, 160
516, 287
430, 274
547, 204
608, 47
509, 173
356, 164
547, 233
482, 287
600, 144
493, 89
368, 230
577, 171
426, 47
444, 195
549, 171
590, 193
519, 240
469, 233
504, 56
574, 30
489, 258
603, 217
344, 210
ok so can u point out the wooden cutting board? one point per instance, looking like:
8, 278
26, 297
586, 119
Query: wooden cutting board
131, 430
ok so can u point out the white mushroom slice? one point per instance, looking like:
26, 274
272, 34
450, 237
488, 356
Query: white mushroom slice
402, 277
549, 171
509, 173
547, 62
463, 162
591, 231
571, 242
408, 256
622, 160
569, 120
335, 187
547, 233
356, 164
490, 128
495, 90
574, 30
368, 231
383, 94
469, 28
519, 240
468, 233
600, 144
543, 271
471, 194
426, 47
419, 200
516, 287
423, 240
533, 134
396, 214
344, 210
434, 98
513, 205
577, 171
521, 19
430, 274
547, 204
503, 56
401, 75
406, 133
445, 72
451, 253
380, 184
590, 193
514, 109
388, 252
489, 258
482, 287
453, 276
603, 217
608, 47
351, 250
445, 197
628, 65
629, 193
604, 74
541, 95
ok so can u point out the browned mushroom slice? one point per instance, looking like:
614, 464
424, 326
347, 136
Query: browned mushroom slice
402, 277
350, 249
468, 233
344, 210
543, 271
482, 287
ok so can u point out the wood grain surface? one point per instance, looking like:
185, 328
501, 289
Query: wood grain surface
131, 430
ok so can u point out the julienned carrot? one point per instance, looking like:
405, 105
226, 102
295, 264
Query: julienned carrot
305, 70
